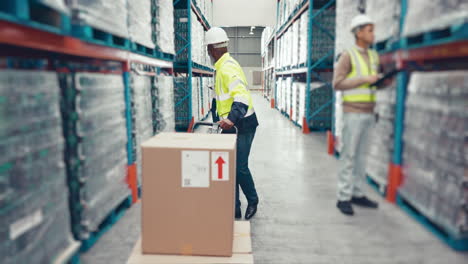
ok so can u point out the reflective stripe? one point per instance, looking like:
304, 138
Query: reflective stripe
224, 97
236, 82
241, 99
357, 64
359, 98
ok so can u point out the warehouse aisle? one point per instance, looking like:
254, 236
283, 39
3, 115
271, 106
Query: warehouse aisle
297, 220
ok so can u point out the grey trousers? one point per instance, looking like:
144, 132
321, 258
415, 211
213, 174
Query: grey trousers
352, 173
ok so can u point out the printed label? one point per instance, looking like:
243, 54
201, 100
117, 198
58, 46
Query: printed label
24, 224
195, 169
220, 166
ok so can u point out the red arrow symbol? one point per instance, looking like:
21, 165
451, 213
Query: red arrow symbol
220, 163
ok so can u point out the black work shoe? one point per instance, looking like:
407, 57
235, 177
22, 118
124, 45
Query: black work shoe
250, 212
345, 207
364, 202
238, 213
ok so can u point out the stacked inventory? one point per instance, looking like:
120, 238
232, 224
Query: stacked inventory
34, 209
305, 53
182, 105
163, 25
345, 11
162, 94
196, 108
303, 33
323, 41
381, 141
206, 7
198, 48
423, 16
199, 54
101, 15
386, 16
96, 146
142, 114
181, 25
140, 22
435, 179
319, 107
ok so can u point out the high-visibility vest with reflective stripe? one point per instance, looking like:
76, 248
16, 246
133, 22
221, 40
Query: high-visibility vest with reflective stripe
230, 86
360, 68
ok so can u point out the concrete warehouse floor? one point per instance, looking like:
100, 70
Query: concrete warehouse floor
297, 221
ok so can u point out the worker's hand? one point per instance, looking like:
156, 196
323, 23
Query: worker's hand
226, 124
372, 79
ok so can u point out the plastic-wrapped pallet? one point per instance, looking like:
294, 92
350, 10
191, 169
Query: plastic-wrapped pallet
141, 89
183, 114
303, 37
163, 113
435, 180
34, 208
196, 98
288, 95
344, 39
279, 93
381, 136
164, 27
301, 95
386, 15
139, 22
320, 94
294, 103
322, 43
181, 29
295, 43
96, 13
97, 161
425, 15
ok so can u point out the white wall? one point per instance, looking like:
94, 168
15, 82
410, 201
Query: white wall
244, 13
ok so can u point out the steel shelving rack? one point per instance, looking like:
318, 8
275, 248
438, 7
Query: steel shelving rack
190, 68
24, 38
311, 70
267, 70
437, 50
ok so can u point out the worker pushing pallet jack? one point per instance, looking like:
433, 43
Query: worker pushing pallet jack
236, 113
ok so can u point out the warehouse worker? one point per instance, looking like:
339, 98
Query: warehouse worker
355, 70
234, 107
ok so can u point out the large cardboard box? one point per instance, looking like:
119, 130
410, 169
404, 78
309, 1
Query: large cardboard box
188, 194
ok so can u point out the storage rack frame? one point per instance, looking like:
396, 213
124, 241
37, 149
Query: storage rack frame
24, 38
442, 49
311, 68
190, 68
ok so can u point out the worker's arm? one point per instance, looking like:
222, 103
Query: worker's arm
342, 69
241, 103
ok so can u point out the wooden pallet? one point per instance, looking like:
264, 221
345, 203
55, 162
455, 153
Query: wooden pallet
242, 252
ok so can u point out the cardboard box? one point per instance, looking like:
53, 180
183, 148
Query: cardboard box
242, 252
188, 194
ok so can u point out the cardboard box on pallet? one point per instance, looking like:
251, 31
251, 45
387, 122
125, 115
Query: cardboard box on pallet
188, 194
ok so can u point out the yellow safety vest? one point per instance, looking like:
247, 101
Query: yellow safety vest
230, 86
359, 68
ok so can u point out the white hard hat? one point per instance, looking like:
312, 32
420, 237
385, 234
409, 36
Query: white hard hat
360, 20
216, 35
